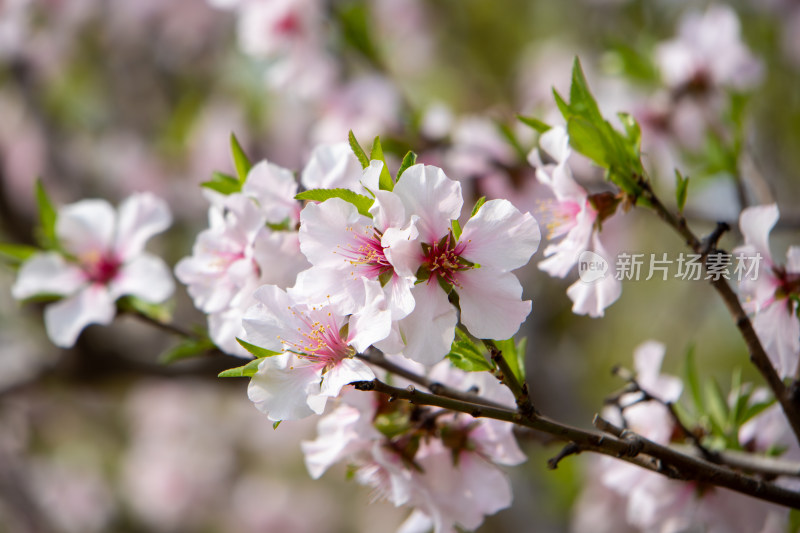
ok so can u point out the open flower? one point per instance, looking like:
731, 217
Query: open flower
768, 294
477, 265
317, 347
104, 260
572, 215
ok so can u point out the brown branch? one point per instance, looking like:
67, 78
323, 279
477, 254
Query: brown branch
758, 355
617, 442
506, 375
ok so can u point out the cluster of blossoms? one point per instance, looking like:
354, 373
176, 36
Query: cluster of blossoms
653, 502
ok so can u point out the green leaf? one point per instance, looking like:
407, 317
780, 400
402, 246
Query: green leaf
581, 101
385, 182
690, 373
408, 160
240, 159
717, 406
456, 226
361, 202
244, 371
223, 183
514, 354
587, 139
468, 354
681, 189
186, 349
361, 155
46, 234
632, 129
478, 205
276, 424
160, 312
16, 253
534, 123
257, 351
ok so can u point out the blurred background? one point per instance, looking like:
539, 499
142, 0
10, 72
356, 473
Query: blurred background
101, 98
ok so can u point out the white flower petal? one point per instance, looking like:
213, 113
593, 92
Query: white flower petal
427, 192
274, 188
347, 371
86, 228
145, 276
500, 236
756, 224
332, 166
491, 303
270, 319
778, 328
140, 217
281, 387
64, 320
429, 330
373, 322
47, 273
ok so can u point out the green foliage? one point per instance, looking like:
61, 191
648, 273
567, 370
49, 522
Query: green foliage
257, 351
681, 189
240, 159
46, 232
385, 182
186, 349
514, 354
478, 205
409, 160
16, 254
359, 152
159, 312
593, 136
456, 227
244, 371
223, 183
468, 354
534, 123
361, 202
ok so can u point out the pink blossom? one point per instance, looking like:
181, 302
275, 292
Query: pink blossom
767, 292
316, 355
478, 265
106, 260
572, 217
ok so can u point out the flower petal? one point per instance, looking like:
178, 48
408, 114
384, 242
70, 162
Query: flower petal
756, 224
500, 236
347, 371
282, 385
64, 320
332, 166
429, 330
47, 273
274, 188
140, 217
86, 228
491, 303
146, 277
427, 192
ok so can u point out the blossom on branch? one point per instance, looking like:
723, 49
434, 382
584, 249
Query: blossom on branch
101, 259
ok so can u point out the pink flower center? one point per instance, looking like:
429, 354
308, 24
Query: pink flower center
558, 217
103, 269
365, 252
320, 340
289, 24
443, 259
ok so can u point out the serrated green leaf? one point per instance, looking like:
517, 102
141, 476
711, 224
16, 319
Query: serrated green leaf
185, 350
361, 202
16, 254
385, 182
257, 351
244, 371
46, 234
222, 183
514, 354
534, 123
690, 374
478, 205
587, 139
681, 189
359, 152
409, 160
240, 160
581, 101
466, 356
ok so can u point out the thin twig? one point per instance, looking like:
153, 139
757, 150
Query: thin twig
506, 375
